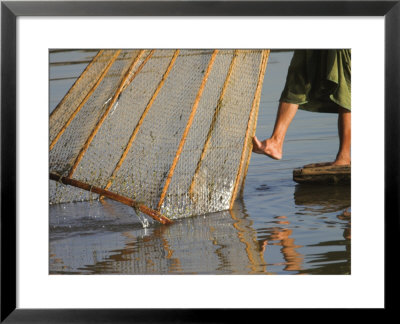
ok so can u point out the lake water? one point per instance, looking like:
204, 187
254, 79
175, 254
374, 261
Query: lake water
278, 227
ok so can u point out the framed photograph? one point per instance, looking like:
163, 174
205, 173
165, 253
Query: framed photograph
68, 255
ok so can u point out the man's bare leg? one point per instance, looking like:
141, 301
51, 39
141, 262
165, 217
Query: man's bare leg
273, 146
344, 128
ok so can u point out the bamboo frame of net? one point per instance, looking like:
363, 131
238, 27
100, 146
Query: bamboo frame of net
140, 122
254, 128
77, 81
122, 86
253, 111
68, 122
127, 79
125, 200
187, 128
214, 119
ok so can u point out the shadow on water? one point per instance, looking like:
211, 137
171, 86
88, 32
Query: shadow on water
322, 199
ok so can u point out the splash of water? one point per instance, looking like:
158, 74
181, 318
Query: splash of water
142, 218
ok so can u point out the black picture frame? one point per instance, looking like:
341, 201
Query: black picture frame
10, 10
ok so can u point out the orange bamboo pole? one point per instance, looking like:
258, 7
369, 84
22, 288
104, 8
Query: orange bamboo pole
77, 81
140, 122
127, 201
213, 121
266, 52
131, 78
111, 104
114, 57
252, 112
186, 131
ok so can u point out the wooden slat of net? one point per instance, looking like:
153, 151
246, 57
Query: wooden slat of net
103, 74
140, 122
247, 136
212, 125
77, 81
267, 52
127, 201
186, 131
111, 104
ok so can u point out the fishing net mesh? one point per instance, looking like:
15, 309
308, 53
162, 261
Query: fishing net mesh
168, 129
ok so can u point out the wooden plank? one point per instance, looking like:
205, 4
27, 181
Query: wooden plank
322, 173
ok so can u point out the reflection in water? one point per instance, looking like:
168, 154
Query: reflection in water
322, 198
281, 236
222, 243
248, 236
108, 238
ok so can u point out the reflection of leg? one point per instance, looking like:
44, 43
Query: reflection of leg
293, 259
344, 127
273, 146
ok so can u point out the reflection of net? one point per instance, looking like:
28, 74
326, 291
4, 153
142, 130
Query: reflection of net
223, 242
167, 131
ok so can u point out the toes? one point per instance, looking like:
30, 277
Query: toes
256, 144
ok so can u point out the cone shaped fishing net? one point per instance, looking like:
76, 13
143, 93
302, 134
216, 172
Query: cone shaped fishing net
167, 132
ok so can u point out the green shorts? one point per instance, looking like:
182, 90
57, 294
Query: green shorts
319, 80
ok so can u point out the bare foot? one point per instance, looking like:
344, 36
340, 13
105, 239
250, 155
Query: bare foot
337, 162
267, 147
342, 160
317, 165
